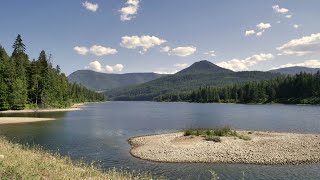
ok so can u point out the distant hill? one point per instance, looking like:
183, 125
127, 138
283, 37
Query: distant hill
102, 81
204, 67
202, 73
296, 70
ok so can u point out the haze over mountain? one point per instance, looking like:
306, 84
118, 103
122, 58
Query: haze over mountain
202, 73
296, 70
102, 81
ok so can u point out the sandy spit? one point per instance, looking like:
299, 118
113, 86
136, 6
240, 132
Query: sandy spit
15, 120
265, 148
75, 107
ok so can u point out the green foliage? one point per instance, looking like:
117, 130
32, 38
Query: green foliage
179, 86
215, 134
25, 84
244, 137
103, 81
213, 138
301, 88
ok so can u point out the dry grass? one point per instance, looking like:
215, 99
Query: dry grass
20, 162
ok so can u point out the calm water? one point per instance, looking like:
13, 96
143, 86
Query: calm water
99, 133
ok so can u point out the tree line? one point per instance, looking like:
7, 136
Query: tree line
301, 88
36, 83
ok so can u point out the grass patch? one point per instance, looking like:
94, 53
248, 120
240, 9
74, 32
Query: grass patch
215, 134
21, 162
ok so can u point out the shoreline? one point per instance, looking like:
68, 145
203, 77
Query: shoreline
17, 120
265, 148
75, 107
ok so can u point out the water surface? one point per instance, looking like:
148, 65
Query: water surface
100, 133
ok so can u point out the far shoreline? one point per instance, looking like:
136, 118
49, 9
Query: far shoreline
75, 107
18, 120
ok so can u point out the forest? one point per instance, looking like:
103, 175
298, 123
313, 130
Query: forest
301, 88
36, 83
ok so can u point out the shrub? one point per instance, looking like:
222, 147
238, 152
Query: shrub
243, 137
213, 138
188, 132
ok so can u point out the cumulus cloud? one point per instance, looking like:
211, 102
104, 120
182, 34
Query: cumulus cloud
250, 32
165, 49
280, 10
102, 51
81, 50
144, 42
262, 26
260, 33
210, 53
299, 47
90, 6
244, 64
288, 16
296, 26
181, 66
183, 51
95, 50
98, 67
130, 10
176, 68
309, 63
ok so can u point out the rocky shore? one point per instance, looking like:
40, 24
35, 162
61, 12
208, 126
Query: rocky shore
265, 148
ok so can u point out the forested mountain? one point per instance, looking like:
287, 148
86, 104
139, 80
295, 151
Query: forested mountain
203, 73
302, 88
295, 70
36, 83
102, 81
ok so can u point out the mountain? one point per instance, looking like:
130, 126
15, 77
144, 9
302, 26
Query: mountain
296, 70
204, 67
202, 73
102, 81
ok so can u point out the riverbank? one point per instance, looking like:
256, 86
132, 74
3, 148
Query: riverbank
19, 162
265, 148
15, 120
75, 107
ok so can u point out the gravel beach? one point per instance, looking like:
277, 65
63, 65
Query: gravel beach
15, 120
265, 148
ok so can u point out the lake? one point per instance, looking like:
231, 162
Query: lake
100, 132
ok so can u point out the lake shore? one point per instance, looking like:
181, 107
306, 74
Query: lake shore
264, 148
16, 120
21, 162
75, 107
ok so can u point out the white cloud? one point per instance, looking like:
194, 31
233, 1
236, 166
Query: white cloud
177, 67
81, 50
280, 10
250, 32
96, 66
145, 42
165, 49
96, 50
260, 33
183, 51
128, 12
90, 6
262, 26
302, 46
296, 26
309, 63
288, 16
244, 64
181, 66
102, 51
210, 53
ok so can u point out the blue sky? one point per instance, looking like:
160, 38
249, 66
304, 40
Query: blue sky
120, 36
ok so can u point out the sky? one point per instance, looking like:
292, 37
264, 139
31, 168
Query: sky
165, 36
